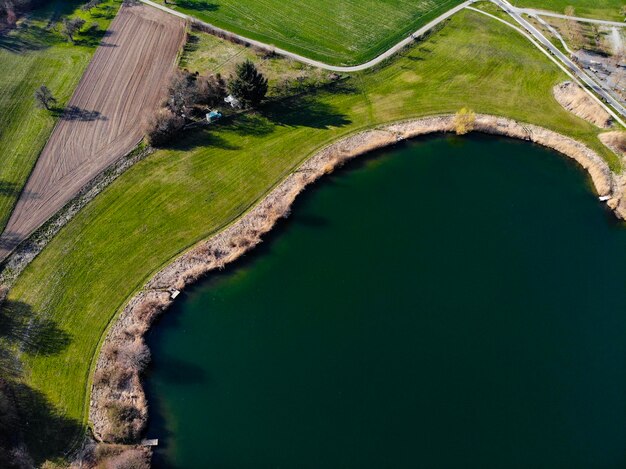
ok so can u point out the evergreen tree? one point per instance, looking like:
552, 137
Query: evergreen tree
249, 86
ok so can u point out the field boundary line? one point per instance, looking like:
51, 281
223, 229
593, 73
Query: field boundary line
316, 63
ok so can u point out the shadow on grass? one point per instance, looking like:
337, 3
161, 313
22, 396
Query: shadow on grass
9, 189
106, 12
198, 138
32, 334
28, 38
93, 37
307, 111
192, 44
250, 124
46, 432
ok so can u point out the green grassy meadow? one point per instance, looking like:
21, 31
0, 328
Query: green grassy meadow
36, 54
179, 196
345, 32
601, 9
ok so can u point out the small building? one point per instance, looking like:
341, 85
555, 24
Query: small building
213, 116
234, 102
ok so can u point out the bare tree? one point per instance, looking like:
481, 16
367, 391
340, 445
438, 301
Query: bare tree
44, 97
71, 27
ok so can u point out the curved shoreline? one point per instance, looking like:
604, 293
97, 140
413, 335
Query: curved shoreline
124, 341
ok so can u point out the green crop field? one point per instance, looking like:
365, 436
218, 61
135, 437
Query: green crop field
602, 9
177, 197
344, 32
33, 55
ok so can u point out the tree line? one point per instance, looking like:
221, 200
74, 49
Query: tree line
189, 95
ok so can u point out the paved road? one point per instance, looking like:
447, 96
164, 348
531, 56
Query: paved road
533, 12
333, 68
515, 13
556, 62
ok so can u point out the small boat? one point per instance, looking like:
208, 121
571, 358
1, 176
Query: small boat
604, 198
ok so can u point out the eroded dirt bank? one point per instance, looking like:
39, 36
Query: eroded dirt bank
117, 379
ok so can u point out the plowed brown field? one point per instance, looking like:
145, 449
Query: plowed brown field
103, 122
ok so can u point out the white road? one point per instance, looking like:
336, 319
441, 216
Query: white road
315, 63
597, 88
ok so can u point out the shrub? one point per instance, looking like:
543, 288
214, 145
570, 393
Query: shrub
211, 90
129, 459
464, 121
136, 355
162, 127
123, 422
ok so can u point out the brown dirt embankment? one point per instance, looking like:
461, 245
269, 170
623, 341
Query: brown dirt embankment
573, 98
615, 141
117, 382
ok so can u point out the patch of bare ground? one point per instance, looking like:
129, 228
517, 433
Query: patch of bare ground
573, 98
122, 84
117, 380
616, 141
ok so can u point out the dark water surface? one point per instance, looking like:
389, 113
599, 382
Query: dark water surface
447, 303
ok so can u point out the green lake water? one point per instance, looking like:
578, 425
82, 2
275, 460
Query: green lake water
446, 303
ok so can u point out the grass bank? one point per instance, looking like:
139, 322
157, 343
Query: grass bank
176, 197
338, 32
600, 9
32, 55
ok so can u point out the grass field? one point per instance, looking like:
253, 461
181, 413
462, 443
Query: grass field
180, 196
344, 32
602, 9
31, 56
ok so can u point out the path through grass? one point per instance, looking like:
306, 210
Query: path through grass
338, 32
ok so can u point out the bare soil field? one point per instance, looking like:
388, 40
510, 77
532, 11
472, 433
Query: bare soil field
103, 121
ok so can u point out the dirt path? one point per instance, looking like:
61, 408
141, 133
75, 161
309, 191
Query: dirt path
315, 63
122, 84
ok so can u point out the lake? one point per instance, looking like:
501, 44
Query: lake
450, 302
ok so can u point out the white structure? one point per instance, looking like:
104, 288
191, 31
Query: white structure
234, 102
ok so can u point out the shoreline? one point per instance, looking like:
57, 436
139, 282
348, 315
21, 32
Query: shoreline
123, 354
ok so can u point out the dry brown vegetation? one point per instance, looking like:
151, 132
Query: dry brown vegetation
122, 84
124, 347
108, 456
573, 98
616, 141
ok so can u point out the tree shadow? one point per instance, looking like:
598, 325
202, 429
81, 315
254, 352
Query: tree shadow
199, 5
27, 38
306, 111
192, 44
8, 241
74, 113
32, 334
175, 371
196, 138
250, 124
9, 189
46, 432
106, 12
93, 37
